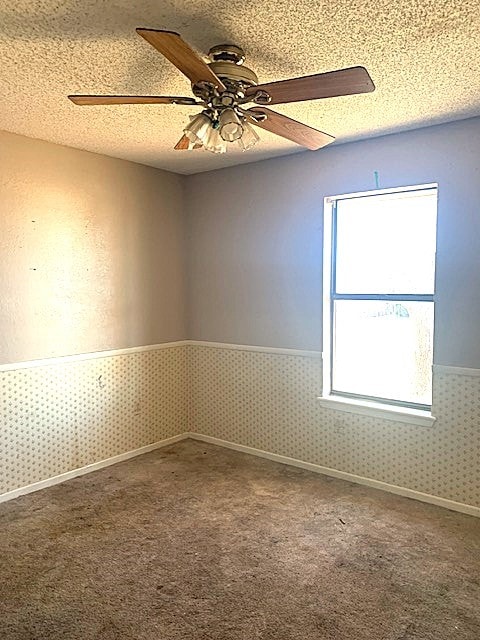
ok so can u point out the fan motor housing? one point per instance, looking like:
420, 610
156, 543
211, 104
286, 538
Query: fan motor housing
227, 63
235, 73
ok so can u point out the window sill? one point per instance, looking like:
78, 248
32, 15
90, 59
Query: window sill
378, 410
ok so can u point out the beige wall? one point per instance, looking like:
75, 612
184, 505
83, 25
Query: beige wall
255, 238
91, 252
92, 249
93, 256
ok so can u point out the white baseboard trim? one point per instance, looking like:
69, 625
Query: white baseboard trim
95, 466
275, 457
342, 475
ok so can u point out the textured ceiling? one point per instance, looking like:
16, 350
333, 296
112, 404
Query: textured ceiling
422, 55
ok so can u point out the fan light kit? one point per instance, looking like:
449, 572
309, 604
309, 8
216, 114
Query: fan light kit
223, 86
213, 132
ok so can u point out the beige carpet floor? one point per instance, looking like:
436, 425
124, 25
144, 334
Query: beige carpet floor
198, 542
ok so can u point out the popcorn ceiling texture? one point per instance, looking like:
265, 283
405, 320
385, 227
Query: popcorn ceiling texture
422, 56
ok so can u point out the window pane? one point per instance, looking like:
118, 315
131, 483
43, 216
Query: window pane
386, 243
383, 349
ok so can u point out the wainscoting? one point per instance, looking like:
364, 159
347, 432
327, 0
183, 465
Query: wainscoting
62, 414
66, 416
266, 399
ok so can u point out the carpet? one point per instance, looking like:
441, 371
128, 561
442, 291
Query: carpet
202, 543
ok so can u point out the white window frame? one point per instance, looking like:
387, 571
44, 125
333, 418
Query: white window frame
360, 406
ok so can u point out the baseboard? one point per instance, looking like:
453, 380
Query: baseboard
95, 466
342, 475
275, 457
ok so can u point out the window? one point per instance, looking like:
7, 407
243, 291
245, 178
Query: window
379, 274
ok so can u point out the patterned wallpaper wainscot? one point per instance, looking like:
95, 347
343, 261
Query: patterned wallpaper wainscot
267, 400
66, 416
63, 414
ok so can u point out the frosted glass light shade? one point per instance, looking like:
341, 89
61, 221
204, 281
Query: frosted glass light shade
214, 142
198, 129
231, 127
249, 137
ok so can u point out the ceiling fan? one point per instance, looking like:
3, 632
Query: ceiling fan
222, 88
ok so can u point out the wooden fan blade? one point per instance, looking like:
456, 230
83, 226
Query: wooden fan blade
291, 129
171, 45
94, 100
185, 144
344, 82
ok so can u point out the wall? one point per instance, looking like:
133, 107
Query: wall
267, 400
255, 258
92, 252
255, 278
92, 258
102, 267
67, 413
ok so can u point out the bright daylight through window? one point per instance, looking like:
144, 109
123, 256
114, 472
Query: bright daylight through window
380, 275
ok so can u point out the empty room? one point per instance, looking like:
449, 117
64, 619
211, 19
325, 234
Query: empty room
239, 320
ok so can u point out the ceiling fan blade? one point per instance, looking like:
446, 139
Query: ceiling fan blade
287, 128
94, 100
171, 45
343, 82
185, 144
